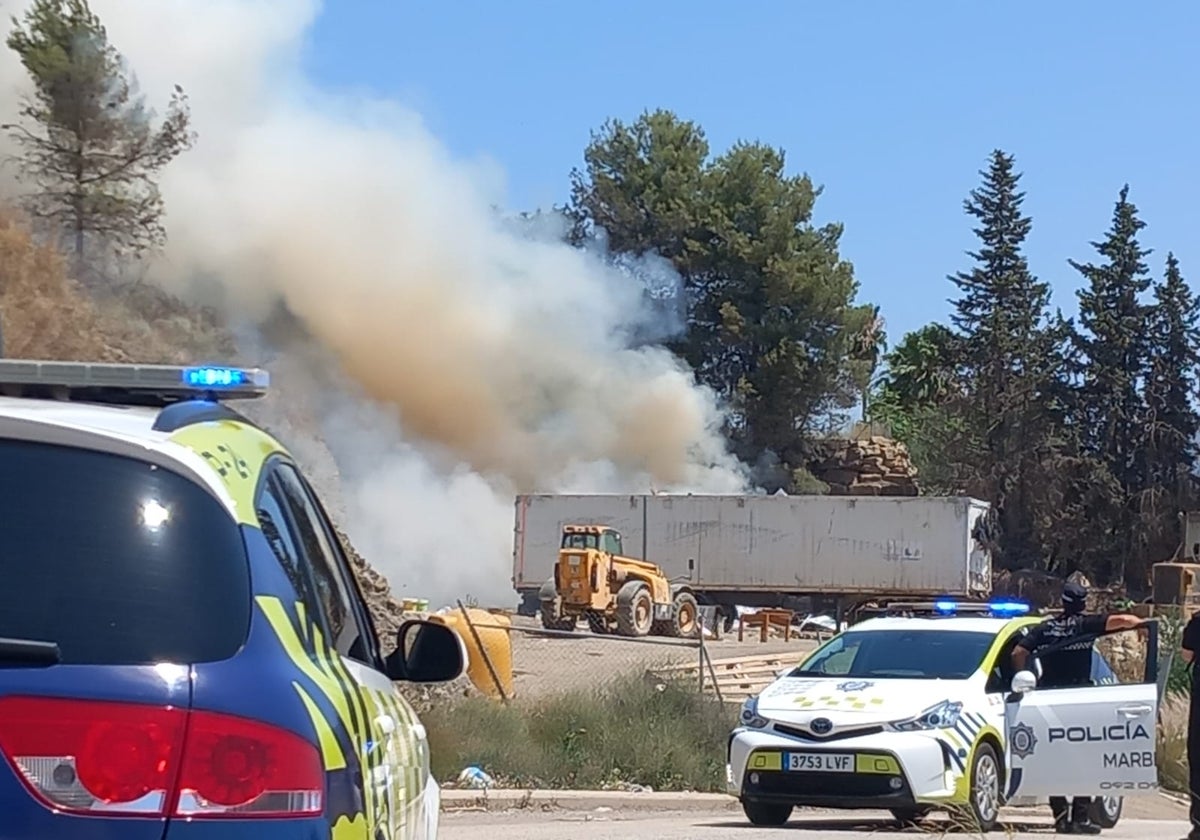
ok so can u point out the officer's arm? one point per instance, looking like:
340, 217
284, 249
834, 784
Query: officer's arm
1020, 654
1187, 647
1122, 621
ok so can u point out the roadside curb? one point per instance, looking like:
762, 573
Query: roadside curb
583, 800
591, 800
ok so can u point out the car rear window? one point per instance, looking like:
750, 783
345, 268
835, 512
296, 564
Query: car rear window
119, 561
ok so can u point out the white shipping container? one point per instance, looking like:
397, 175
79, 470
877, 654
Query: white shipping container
774, 544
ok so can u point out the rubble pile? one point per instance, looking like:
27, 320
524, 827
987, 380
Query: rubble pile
873, 466
386, 612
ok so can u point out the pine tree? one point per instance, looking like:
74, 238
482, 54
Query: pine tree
1006, 351
1114, 344
90, 149
1172, 386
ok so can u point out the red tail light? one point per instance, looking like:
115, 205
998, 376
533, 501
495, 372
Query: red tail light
93, 757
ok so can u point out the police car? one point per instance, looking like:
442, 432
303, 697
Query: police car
184, 649
914, 714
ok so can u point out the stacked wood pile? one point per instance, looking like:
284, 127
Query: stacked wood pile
872, 466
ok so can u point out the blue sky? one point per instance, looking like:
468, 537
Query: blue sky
892, 107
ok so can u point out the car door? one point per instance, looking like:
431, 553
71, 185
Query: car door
1105, 735
394, 747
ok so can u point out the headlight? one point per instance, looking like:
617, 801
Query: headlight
942, 716
749, 715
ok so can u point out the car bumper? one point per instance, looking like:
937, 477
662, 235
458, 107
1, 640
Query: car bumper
888, 770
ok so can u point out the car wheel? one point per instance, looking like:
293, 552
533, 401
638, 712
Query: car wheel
766, 813
984, 809
1105, 811
911, 816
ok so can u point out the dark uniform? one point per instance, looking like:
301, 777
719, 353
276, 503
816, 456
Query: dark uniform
1191, 642
1069, 666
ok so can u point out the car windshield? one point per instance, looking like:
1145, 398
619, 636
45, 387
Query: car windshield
899, 654
119, 561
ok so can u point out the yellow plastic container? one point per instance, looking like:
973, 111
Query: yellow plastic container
493, 632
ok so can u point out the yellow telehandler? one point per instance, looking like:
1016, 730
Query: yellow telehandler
594, 580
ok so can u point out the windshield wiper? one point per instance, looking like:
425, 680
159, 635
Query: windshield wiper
29, 652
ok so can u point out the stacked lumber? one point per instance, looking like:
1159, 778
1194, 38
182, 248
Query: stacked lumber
737, 677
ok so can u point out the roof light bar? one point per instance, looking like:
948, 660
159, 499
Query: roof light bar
155, 385
1009, 607
946, 607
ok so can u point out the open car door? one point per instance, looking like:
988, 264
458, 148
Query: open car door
1092, 740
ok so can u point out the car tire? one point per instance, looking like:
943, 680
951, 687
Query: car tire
1105, 811
983, 811
911, 816
766, 813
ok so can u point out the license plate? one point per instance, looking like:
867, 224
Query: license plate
574, 559
818, 762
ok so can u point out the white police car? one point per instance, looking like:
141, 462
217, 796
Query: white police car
916, 714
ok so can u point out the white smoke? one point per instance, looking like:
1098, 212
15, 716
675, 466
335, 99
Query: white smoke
485, 358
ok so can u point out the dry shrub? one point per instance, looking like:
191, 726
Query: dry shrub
45, 314
1172, 743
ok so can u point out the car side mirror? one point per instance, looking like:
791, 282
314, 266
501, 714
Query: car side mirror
1023, 682
426, 652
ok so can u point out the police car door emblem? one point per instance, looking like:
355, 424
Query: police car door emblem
821, 726
854, 685
1023, 740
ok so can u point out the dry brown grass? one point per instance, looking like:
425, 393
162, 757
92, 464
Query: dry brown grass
47, 315
1172, 743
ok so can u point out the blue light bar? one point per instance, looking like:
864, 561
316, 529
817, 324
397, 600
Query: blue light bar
945, 607
208, 377
1009, 607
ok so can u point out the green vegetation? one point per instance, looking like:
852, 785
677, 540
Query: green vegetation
665, 736
772, 322
1082, 433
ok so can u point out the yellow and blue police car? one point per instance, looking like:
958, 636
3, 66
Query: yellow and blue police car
184, 649
917, 713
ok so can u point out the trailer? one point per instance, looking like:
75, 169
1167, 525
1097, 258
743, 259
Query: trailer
759, 550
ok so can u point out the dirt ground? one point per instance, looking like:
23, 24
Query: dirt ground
544, 664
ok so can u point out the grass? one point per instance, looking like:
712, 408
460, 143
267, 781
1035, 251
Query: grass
635, 732
1172, 743
632, 731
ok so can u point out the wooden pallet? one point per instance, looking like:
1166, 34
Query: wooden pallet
737, 677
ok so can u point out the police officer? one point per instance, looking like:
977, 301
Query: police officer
1188, 647
1070, 666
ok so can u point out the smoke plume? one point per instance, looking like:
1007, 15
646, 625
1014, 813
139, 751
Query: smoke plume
462, 356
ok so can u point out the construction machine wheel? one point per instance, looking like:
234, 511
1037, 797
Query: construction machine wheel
635, 609
685, 616
551, 608
553, 619
596, 622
